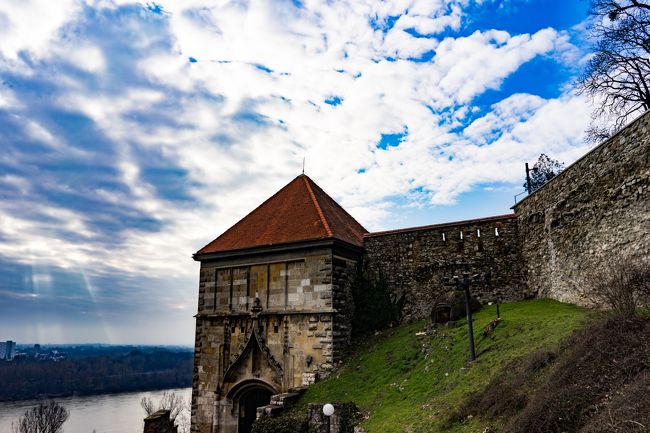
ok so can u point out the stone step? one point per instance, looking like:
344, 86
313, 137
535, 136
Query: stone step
284, 400
270, 410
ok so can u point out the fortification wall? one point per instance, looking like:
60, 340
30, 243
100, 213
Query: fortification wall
597, 207
415, 262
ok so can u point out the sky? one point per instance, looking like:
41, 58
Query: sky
133, 133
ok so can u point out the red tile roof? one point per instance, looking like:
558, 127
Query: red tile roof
301, 211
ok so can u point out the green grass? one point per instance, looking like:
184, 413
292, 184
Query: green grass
409, 383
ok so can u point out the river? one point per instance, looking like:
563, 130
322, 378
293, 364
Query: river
109, 413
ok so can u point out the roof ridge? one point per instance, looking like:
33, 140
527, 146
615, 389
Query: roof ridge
249, 213
338, 206
318, 208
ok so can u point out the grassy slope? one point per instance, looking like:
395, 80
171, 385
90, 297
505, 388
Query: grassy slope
403, 389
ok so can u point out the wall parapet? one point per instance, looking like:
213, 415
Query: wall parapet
575, 164
442, 225
416, 262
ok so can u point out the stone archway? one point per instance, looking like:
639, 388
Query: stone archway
247, 396
248, 404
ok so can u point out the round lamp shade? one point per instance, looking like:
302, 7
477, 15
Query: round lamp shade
328, 409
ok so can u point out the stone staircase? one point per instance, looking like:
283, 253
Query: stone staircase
280, 402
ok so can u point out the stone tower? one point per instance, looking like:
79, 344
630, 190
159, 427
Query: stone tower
275, 306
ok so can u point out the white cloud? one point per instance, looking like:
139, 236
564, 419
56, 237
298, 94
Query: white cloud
86, 57
468, 66
30, 25
239, 132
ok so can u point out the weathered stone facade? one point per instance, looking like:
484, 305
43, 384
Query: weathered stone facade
597, 207
417, 263
267, 323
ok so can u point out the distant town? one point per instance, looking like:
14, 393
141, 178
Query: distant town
10, 351
7, 350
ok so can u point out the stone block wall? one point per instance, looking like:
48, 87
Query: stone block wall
597, 207
344, 270
208, 365
301, 330
286, 282
416, 262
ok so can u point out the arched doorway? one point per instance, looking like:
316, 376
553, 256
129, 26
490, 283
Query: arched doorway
247, 396
249, 401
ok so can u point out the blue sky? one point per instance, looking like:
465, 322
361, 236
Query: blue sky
132, 133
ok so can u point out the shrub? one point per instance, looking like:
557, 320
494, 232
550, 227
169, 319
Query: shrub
620, 285
507, 393
375, 307
296, 420
596, 364
596, 383
288, 422
628, 411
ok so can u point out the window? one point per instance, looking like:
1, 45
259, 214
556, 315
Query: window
240, 289
259, 284
223, 289
276, 284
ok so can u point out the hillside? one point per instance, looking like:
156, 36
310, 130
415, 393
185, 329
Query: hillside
405, 382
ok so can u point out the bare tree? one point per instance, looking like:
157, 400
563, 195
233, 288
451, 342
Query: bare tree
617, 77
620, 284
47, 417
178, 409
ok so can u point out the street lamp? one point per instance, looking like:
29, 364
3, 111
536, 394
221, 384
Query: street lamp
464, 286
528, 171
328, 411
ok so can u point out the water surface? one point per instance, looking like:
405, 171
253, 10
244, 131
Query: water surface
109, 413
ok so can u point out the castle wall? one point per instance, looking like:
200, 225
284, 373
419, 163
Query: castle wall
416, 262
597, 207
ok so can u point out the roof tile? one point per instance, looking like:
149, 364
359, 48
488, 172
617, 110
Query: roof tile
301, 211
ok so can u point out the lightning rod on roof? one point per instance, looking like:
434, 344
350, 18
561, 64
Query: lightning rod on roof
303, 165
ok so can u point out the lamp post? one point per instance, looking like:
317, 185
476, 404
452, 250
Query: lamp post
464, 286
328, 411
528, 183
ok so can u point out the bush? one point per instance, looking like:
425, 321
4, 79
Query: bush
296, 420
620, 285
596, 383
288, 422
597, 363
375, 307
507, 393
628, 411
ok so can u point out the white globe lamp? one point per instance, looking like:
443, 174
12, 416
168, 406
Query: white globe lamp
328, 410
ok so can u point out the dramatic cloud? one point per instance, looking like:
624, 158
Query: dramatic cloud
133, 133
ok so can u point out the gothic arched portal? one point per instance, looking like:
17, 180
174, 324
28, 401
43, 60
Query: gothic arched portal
247, 396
